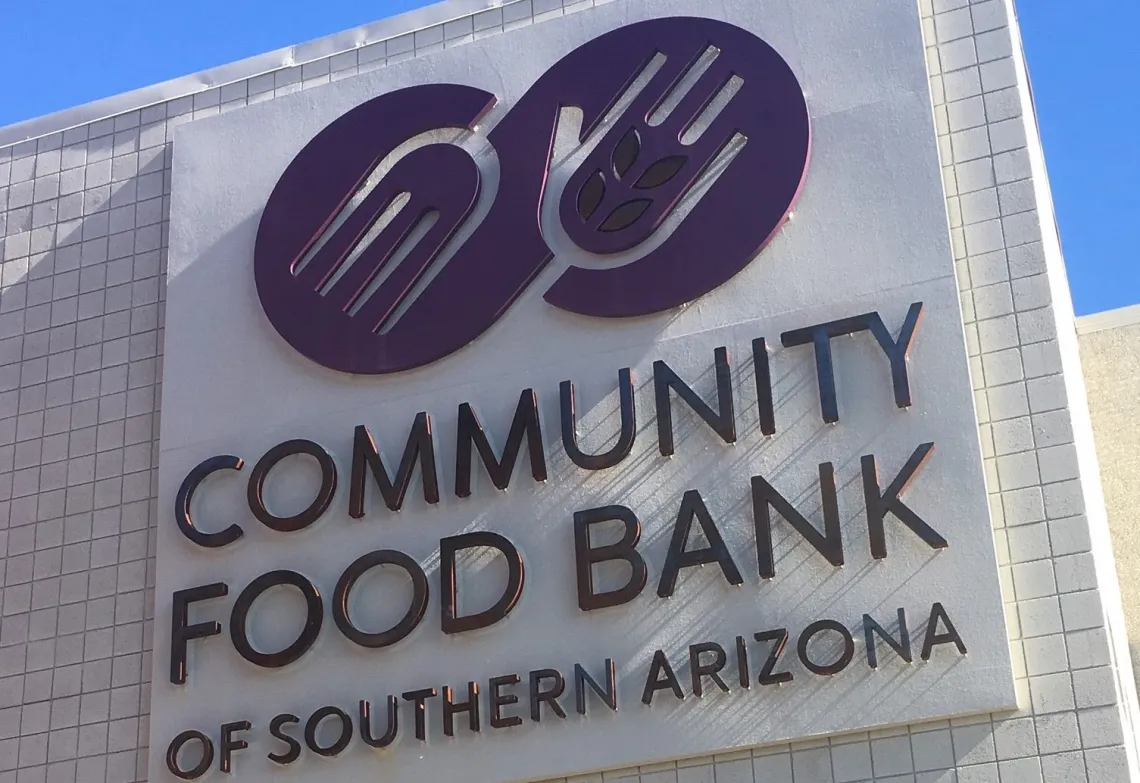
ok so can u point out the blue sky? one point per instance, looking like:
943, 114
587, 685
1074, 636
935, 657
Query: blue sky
1083, 60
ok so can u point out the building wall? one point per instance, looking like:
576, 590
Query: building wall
1112, 373
83, 214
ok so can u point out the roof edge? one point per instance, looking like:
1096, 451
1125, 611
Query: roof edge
1109, 319
182, 86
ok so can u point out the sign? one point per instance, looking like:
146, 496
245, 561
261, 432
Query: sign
514, 426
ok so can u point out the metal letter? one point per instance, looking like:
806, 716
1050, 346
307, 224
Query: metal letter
840, 663
470, 434
452, 708
500, 700
181, 631
420, 698
449, 606
880, 503
314, 723
409, 621
779, 639
697, 670
626, 549
897, 349
902, 646
764, 401
829, 544
624, 444
608, 694
660, 677
185, 495
366, 457
320, 503
933, 638
692, 507
229, 744
389, 735
538, 696
723, 421
314, 617
176, 747
294, 752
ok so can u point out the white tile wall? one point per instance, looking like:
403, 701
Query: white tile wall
83, 216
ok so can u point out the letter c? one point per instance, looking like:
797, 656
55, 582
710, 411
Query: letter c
186, 494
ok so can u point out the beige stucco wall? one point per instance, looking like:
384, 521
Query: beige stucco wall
1110, 355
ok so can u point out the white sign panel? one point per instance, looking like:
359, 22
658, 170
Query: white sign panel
589, 395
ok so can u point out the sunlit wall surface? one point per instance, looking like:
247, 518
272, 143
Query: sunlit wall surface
85, 200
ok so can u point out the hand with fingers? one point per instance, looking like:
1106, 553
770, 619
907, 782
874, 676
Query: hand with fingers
642, 168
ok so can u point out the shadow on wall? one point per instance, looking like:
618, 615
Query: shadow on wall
80, 320
81, 292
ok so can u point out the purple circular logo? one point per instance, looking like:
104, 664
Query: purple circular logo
710, 103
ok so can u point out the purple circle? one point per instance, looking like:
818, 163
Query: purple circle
738, 215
